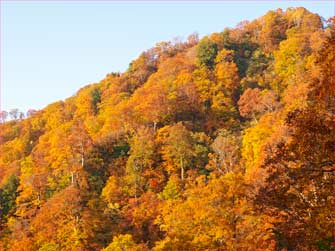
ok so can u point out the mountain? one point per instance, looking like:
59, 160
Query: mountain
219, 143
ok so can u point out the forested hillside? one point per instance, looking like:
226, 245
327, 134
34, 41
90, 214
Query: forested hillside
219, 143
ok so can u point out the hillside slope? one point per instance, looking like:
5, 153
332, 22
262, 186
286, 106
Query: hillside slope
222, 143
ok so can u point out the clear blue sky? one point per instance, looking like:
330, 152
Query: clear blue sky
51, 49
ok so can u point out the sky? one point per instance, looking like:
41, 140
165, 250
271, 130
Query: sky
50, 49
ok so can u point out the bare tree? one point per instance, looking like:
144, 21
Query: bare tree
3, 116
30, 112
14, 113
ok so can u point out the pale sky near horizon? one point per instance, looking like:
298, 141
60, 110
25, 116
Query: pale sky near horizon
49, 49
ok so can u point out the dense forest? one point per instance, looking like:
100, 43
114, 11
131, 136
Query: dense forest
219, 143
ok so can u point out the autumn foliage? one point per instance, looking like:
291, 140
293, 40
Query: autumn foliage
222, 143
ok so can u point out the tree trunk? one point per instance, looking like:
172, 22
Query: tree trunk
254, 116
181, 169
82, 154
135, 188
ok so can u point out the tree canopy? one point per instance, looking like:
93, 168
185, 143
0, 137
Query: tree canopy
222, 143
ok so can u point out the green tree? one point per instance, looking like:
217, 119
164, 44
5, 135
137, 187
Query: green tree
8, 195
177, 149
96, 99
207, 51
141, 157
